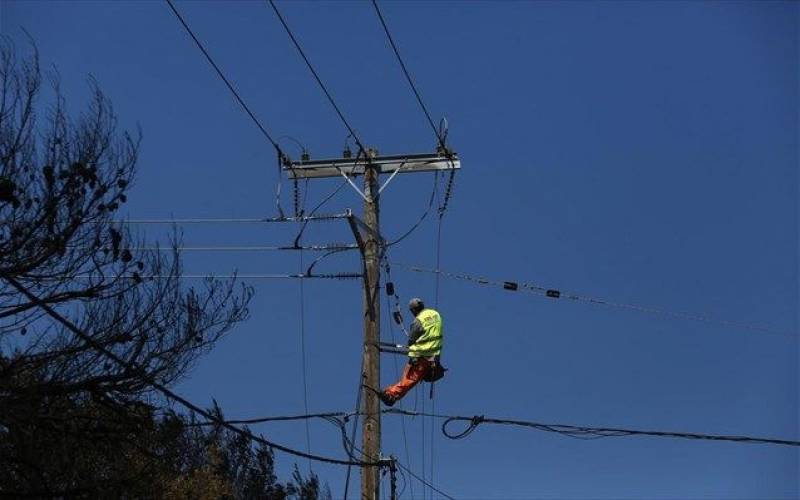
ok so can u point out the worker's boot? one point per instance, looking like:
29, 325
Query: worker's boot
387, 399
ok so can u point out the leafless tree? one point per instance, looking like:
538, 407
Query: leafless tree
62, 182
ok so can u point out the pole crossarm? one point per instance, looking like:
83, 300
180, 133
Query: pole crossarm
334, 167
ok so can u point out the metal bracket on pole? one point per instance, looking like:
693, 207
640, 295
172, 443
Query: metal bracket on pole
391, 177
353, 219
353, 185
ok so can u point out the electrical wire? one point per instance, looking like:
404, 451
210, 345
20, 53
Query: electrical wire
439, 136
251, 220
302, 325
279, 418
424, 482
349, 446
424, 438
387, 272
572, 431
253, 248
311, 217
416, 225
559, 294
230, 86
342, 276
581, 432
316, 76
165, 391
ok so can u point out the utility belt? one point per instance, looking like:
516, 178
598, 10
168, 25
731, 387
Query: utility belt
435, 370
413, 360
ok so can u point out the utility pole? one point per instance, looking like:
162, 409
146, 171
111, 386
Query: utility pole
371, 244
371, 430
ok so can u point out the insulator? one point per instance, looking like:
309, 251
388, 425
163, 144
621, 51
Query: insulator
554, 294
510, 285
398, 318
389, 288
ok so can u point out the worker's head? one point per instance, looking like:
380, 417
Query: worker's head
416, 306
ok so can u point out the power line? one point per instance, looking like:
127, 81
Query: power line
316, 76
424, 215
311, 217
302, 300
351, 443
225, 79
250, 220
580, 432
152, 382
246, 248
408, 76
573, 431
554, 293
387, 271
426, 483
335, 276
279, 418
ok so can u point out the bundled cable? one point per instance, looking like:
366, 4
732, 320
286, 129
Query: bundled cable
581, 432
554, 293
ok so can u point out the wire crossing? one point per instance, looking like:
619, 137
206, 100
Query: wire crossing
580, 432
554, 293
164, 390
573, 431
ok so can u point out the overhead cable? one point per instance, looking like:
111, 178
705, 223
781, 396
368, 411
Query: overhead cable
422, 217
390, 290
302, 325
279, 418
581, 432
250, 220
225, 79
555, 293
439, 135
349, 443
573, 431
136, 276
316, 76
311, 217
248, 248
164, 390
424, 482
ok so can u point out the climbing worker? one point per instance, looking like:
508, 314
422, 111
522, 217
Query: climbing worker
424, 350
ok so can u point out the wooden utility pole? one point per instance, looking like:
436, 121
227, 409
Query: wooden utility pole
371, 244
371, 426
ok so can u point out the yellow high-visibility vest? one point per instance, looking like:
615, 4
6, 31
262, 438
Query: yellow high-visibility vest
430, 342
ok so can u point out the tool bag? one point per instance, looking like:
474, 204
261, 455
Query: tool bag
435, 372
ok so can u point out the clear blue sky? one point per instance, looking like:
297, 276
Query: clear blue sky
643, 152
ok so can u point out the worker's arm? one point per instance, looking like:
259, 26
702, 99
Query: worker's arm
415, 332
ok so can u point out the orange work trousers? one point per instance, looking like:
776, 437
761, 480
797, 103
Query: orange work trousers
413, 373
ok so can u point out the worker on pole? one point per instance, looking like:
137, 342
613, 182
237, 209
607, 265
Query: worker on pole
424, 351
